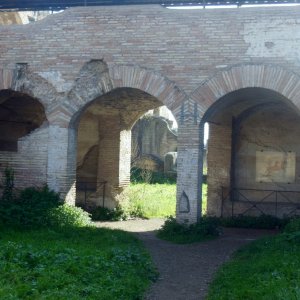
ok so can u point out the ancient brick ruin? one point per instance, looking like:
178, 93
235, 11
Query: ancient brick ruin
73, 85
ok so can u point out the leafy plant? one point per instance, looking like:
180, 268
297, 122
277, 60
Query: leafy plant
40, 207
68, 216
29, 208
206, 228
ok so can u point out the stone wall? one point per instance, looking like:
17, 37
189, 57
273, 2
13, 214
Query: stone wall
152, 136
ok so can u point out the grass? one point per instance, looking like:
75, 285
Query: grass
156, 200
267, 269
153, 200
78, 263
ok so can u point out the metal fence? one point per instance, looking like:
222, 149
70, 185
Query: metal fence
275, 202
89, 188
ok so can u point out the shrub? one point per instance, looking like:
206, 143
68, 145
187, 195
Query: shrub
105, 214
206, 228
135, 210
40, 207
67, 216
30, 208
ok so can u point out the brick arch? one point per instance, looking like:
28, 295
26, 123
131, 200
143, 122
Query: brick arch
96, 78
269, 77
22, 79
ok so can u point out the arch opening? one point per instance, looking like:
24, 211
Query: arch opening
105, 147
253, 163
20, 114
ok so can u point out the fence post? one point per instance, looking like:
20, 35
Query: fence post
276, 192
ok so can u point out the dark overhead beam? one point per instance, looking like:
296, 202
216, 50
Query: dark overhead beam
62, 4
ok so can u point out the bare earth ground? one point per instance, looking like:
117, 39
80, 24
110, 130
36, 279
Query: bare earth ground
185, 270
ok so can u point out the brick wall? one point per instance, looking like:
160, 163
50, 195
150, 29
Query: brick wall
185, 59
30, 162
218, 166
185, 46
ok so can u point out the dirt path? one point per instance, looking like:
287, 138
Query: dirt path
185, 270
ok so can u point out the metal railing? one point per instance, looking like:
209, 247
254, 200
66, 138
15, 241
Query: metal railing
89, 188
262, 201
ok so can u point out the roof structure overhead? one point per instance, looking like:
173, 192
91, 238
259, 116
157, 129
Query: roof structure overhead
62, 4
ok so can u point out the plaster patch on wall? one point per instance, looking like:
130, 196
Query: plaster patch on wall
278, 38
274, 166
56, 79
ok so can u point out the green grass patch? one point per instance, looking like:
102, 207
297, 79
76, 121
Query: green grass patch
267, 269
206, 229
74, 263
154, 200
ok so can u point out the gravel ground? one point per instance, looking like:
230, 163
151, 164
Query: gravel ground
185, 270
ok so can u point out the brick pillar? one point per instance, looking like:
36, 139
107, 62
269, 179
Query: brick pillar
61, 165
188, 202
114, 158
218, 166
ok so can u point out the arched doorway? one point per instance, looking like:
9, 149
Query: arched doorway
104, 145
252, 157
252, 154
